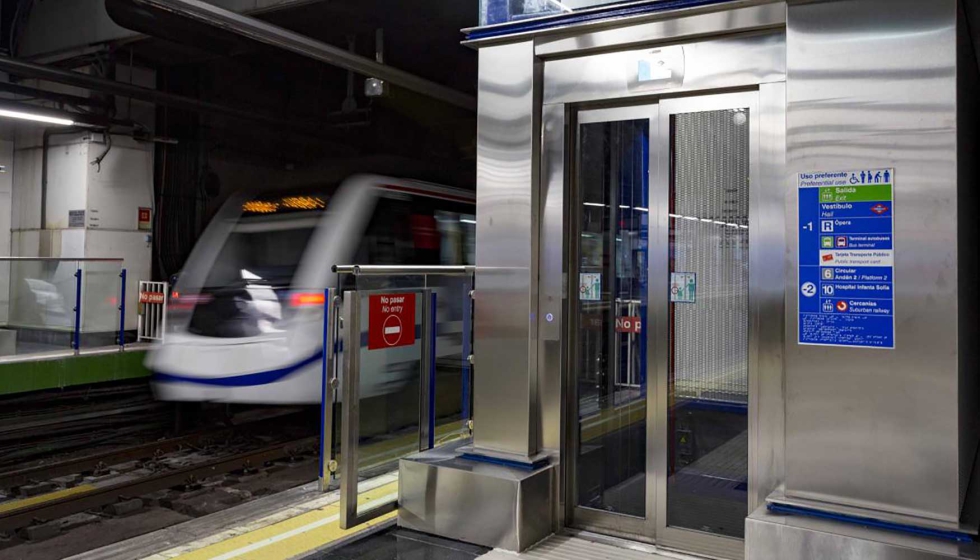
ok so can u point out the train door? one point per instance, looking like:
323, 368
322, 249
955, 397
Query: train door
658, 334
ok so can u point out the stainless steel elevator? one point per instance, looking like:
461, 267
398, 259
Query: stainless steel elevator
663, 266
641, 295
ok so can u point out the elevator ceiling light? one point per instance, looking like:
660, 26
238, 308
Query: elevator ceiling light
35, 117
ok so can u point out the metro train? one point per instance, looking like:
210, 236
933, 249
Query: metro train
245, 318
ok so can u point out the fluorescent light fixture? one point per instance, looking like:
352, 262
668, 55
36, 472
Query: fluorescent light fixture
641, 209
596, 204
708, 220
34, 117
465, 221
624, 206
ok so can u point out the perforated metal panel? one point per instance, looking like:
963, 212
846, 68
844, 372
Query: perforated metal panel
710, 237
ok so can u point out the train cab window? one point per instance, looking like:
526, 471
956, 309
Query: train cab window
245, 291
257, 253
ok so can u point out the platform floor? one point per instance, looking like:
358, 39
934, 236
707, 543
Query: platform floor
401, 544
286, 525
304, 524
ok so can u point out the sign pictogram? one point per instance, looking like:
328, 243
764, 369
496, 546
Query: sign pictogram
391, 321
879, 209
842, 306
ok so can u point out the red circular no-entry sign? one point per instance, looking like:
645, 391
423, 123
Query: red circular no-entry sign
391, 320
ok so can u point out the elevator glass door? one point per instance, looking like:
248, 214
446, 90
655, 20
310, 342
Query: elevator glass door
611, 217
660, 332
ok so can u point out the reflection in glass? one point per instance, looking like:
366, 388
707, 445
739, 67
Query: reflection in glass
390, 377
708, 325
610, 349
36, 305
503, 11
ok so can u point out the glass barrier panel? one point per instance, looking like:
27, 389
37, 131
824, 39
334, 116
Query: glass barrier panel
414, 337
8, 337
452, 346
40, 306
391, 352
100, 303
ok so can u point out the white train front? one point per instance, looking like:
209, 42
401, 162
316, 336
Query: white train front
245, 319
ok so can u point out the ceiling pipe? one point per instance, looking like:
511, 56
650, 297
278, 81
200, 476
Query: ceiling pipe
285, 39
26, 69
62, 98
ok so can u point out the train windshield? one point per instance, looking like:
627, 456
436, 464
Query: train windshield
246, 292
257, 255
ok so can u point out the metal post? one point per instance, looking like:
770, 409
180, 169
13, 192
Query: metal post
327, 379
122, 309
433, 327
350, 416
426, 420
467, 349
78, 310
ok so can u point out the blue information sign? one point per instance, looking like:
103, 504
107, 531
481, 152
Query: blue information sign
847, 258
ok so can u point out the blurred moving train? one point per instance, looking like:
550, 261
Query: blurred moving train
245, 318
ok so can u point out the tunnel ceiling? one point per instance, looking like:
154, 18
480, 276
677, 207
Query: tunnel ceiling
434, 141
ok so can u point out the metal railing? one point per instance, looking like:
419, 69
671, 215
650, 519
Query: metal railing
49, 304
152, 316
394, 295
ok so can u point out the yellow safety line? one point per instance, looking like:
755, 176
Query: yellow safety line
20, 504
298, 535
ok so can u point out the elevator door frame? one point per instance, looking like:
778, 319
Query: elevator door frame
586, 518
766, 105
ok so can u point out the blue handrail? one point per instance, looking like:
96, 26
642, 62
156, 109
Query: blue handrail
75, 344
122, 308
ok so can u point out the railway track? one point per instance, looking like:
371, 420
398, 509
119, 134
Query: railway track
99, 461
34, 427
66, 505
